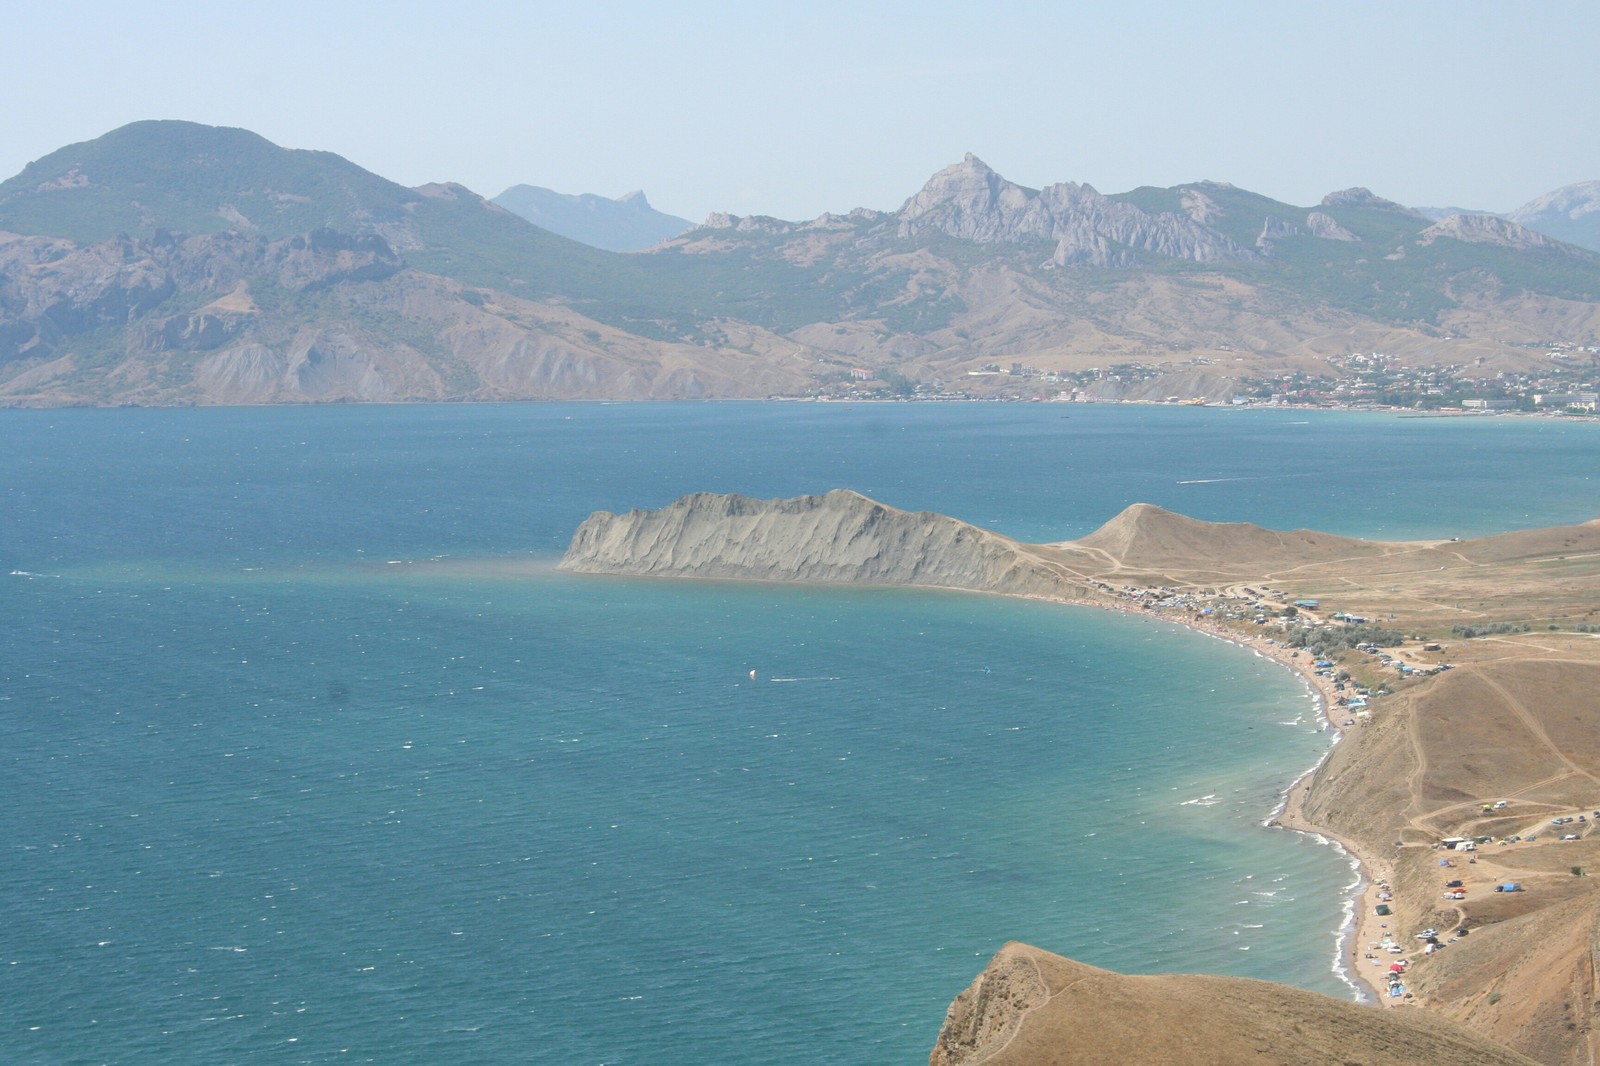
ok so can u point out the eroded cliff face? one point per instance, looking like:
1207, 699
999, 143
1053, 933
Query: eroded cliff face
839, 537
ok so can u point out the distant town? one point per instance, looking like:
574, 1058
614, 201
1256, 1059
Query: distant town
1568, 383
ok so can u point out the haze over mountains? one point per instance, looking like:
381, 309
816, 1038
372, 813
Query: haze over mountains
169, 262
1570, 213
626, 224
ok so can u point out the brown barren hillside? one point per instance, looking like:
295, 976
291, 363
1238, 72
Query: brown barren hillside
1032, 1008
1495, 747
1147, 537
1533, 544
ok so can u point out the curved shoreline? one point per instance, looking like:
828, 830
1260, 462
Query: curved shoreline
1361, 895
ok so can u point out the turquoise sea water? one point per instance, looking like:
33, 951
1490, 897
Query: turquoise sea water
310, 756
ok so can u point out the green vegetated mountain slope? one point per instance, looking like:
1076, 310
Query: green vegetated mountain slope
187, 178
169, 262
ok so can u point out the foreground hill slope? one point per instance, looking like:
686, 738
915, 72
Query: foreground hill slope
1032, 1008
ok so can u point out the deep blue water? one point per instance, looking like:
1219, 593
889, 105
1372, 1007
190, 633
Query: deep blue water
303, 764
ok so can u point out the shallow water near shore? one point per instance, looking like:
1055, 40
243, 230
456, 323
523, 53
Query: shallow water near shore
304, 766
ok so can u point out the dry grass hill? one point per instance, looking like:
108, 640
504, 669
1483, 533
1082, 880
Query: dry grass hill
1032, 1008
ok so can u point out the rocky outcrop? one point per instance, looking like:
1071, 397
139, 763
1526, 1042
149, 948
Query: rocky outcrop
1274, 230
1322, 224
1492, 229
1032, 1008
841, 537
970, 201
1360, 197
1200, 207
749, 223
186, 333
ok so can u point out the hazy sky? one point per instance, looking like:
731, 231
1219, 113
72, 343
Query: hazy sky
792, 110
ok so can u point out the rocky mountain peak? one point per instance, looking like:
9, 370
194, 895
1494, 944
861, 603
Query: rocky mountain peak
1200, 207
1325, 226
1274, 230
971, 201
968, 199
1358, 196
1570, 213
1570, 201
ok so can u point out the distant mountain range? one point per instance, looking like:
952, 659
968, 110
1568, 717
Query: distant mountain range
626, 224
1571, 214
169, 262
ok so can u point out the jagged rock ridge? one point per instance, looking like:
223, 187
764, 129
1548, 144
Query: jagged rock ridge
1361, 197
970, 201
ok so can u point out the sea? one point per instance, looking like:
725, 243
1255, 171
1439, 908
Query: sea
310, 755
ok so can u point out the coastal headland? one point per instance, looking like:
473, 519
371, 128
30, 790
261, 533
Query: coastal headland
1460, 675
